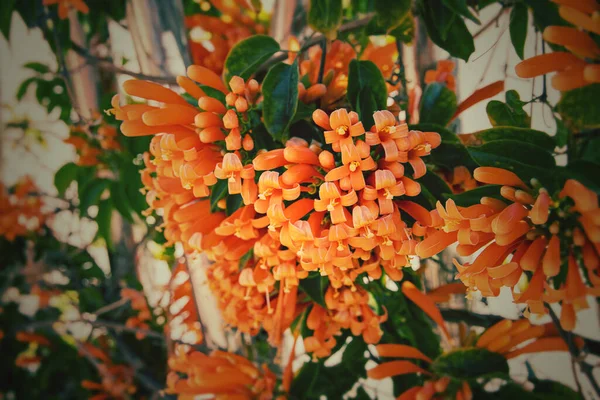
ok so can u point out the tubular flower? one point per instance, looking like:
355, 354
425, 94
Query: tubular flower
537, 235
577, 66
138, 303
221, 374
116, 380
506, 338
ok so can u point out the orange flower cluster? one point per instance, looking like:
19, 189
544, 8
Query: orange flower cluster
548, 237
304, 209
225, 375
116, 379
335, 72
573, 70
234, 24
64, 6
442, 74
20, 210
139, 304
87, 150
24, 359
459, 179
506, 337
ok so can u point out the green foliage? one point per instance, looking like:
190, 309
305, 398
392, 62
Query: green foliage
247, 56
470, 363
519, 21
438, 104
447, 29
450, 153
65, 176
91, 194
315, 286
218, 192
579, 108
390, 15
280, 91
510, 113
325, 15
524, 135
461, 8
6, 12
367, 92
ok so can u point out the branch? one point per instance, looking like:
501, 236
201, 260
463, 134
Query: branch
316, 39
471, 318
578, 356
489, 23
107, 64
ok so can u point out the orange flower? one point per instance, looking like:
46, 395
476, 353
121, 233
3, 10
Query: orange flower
330, 199
442, 74
355, 163
344, 126
64, 6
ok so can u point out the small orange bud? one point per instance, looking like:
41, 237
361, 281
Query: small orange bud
326, 160
248, 143
241, 105
230, 99
237, 85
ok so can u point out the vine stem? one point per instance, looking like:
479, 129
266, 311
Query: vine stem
586, 368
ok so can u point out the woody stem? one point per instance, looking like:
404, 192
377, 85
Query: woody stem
585, 367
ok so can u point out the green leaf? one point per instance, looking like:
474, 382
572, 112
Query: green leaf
103, 219
211, 92
217, 192
525, 135
6, 12
562, 133
304, 111
390, 14
37, 67
451, 152
526, 160
579, 108
435, 185
405, 31
584, 171
280, 93
367, 91
457, 40
438, 104
65, 176
519, 21
304, 381
473, 196
248, 55
443, 18
460, 7
551, 390
469, 363
120, 200
314, 286
233, 203
24, 86
325, 16
510, 113
91, 194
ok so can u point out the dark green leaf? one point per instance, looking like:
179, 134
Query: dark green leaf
325, 15
304, 111
458, 41
37, 67
562, 133
460, 7
525, 135
248, 55
435, 185
6, 12
389, 15
438, 104
526, 160
280, 92
120, 200
473, 196
470, 363
103, 219
91, 194
24, 86
545, 13
579, 108
584, 171
217, 192
405, 31
552, 390
211, 92
314, 286
450, 153
233, 203
519, 21
510, 113
64, 177
303, 382
443, 18
367, 91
